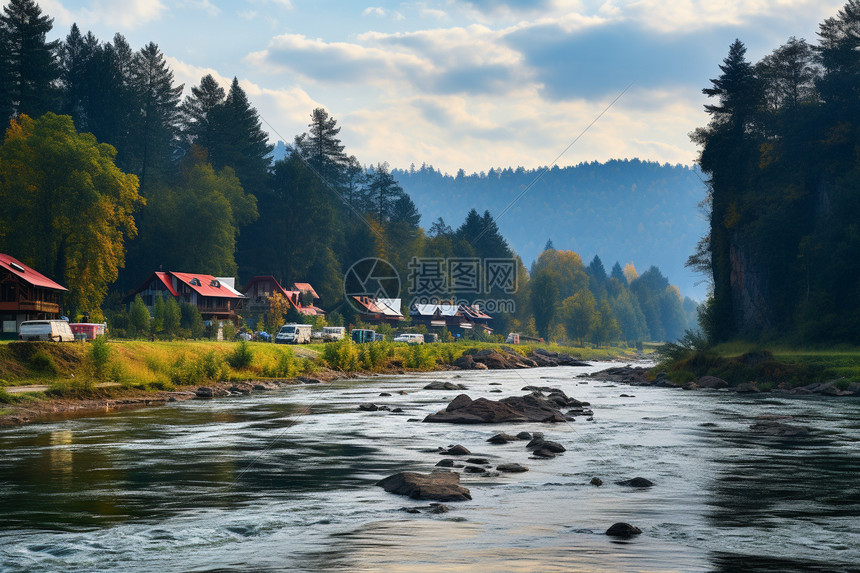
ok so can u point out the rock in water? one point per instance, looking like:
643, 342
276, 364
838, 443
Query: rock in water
512, 468
596, 481
438, 486
636, 482
623, 530
502, 438
457, 450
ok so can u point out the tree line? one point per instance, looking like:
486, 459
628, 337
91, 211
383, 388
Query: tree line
780, 151
107, 174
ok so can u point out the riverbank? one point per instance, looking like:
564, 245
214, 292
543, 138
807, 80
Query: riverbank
747, 367
41, 381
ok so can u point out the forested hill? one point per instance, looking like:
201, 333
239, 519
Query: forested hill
622, 210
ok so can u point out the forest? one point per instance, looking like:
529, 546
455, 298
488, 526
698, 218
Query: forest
781, 155
110, 171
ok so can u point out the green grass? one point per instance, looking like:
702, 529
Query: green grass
740, 361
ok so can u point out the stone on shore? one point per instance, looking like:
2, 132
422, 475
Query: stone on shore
711, 382
438, 385
438, 486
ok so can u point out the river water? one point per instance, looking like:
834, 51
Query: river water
284, 480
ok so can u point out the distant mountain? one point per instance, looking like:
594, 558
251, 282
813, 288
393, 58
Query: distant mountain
622, 210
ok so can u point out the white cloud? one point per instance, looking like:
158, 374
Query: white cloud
125, 15
374, 11
204, 5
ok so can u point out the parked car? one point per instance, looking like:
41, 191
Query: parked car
263, 336
410, 338
50, 330
362, 335
246, 336
333, 333
431, 338
378, 336
294, 334
317, 335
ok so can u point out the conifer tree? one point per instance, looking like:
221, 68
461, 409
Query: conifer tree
29, 62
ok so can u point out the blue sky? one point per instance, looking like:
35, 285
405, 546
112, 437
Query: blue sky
454, 83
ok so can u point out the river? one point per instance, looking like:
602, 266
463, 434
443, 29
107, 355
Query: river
284, 480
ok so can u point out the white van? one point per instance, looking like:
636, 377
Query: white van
294, 334
50, 330
410, 338
333, 333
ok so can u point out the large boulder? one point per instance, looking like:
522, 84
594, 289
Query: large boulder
491, 359
439, 385
529, 408
438, 486
465, 362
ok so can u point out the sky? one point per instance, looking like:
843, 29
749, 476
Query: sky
470, 84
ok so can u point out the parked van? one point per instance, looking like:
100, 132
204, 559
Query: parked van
51, 330
333, 333
410, 338
294, 334
362, 335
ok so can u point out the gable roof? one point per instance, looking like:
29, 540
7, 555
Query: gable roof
29, 275
266, 278
165, 280
206, 285
305, 287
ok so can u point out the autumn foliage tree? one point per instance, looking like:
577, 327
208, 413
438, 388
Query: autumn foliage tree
67, 208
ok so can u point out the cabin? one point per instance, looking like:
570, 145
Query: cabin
301, 296
214, 297
25, 294
455, 317
379, 310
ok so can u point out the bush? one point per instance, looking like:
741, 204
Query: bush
43, 364
373, 354
99, 354
420, 357
241, 357
285, 366
6, 397
212, 366
341, 355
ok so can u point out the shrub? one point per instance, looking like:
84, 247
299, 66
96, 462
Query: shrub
242, 356
373, 354
420, 357
43, 364
341, 355
212, 366
99, 354
285, 366
6, 397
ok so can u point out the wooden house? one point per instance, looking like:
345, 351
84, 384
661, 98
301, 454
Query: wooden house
215, 300
301, 296
454, 317
25, 294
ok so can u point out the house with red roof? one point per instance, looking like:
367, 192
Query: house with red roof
301, 296
214, 297
25, 294
378, 310
455, 317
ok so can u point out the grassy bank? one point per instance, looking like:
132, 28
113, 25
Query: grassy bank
105, 368
785, 367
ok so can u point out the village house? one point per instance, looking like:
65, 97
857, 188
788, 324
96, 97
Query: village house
455, 317
25, 294
302, 296
214, 297
379, 310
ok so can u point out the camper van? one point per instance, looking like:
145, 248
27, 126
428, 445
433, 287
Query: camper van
51, 330
294, 334
362, 335
410, 338
333, 333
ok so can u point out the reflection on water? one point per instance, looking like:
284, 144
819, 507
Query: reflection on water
285, 480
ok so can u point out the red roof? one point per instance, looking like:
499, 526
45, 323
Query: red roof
21, 270
306, 287
165, 279
204, 285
